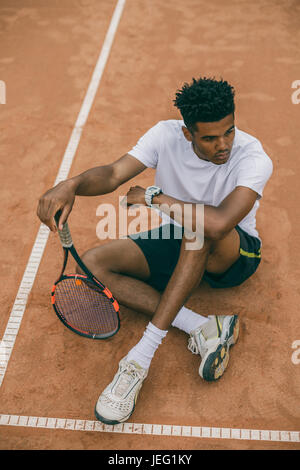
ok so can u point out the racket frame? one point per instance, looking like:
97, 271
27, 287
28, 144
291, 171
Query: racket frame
87, 276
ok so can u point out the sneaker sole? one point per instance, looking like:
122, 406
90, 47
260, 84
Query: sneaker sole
234, 330
215, 362
109, 421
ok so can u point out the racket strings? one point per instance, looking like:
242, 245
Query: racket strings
84, 307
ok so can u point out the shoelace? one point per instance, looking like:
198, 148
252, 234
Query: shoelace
127, 376
192, 346
207, 334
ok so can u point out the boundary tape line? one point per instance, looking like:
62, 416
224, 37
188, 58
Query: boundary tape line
150, 429
20, 303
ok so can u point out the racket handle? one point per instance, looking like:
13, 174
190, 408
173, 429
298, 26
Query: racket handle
64, 234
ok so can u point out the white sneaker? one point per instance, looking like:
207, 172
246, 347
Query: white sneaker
117, 402
212, 341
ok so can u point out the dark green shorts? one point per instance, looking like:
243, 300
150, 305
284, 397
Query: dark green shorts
162, 254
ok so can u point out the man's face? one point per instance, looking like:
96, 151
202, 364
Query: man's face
212, 141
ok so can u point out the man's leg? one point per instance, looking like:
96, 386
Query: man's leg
214, 256
185, 278
122, 266
128, 283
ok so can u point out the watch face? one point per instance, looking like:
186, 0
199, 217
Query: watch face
151, 191
154, 189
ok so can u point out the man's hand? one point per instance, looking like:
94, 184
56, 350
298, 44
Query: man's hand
61, 197
136, 195
93, 182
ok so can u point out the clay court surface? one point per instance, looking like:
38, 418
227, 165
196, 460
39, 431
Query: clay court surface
48, 52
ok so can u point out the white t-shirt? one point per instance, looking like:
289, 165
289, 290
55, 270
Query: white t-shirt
180, 173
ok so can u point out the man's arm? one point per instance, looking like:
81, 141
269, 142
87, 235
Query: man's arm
94, 182
222, 219
218, 221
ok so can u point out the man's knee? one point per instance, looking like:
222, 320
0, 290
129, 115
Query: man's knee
224, 253
119, 256
197, 246
220, 254
91, 261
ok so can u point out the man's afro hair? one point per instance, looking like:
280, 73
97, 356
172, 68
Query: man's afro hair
204, 100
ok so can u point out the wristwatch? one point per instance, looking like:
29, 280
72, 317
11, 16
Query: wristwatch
150, 192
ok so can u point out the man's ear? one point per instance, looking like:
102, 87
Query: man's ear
187, 134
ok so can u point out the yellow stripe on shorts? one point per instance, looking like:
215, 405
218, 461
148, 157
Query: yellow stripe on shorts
250, 255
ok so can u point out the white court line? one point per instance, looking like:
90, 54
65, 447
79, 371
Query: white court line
18, 309
150, 429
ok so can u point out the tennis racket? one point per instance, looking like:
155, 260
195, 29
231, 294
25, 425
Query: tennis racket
81, 302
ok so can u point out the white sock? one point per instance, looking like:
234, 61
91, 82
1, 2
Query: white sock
187, 320
144, 350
